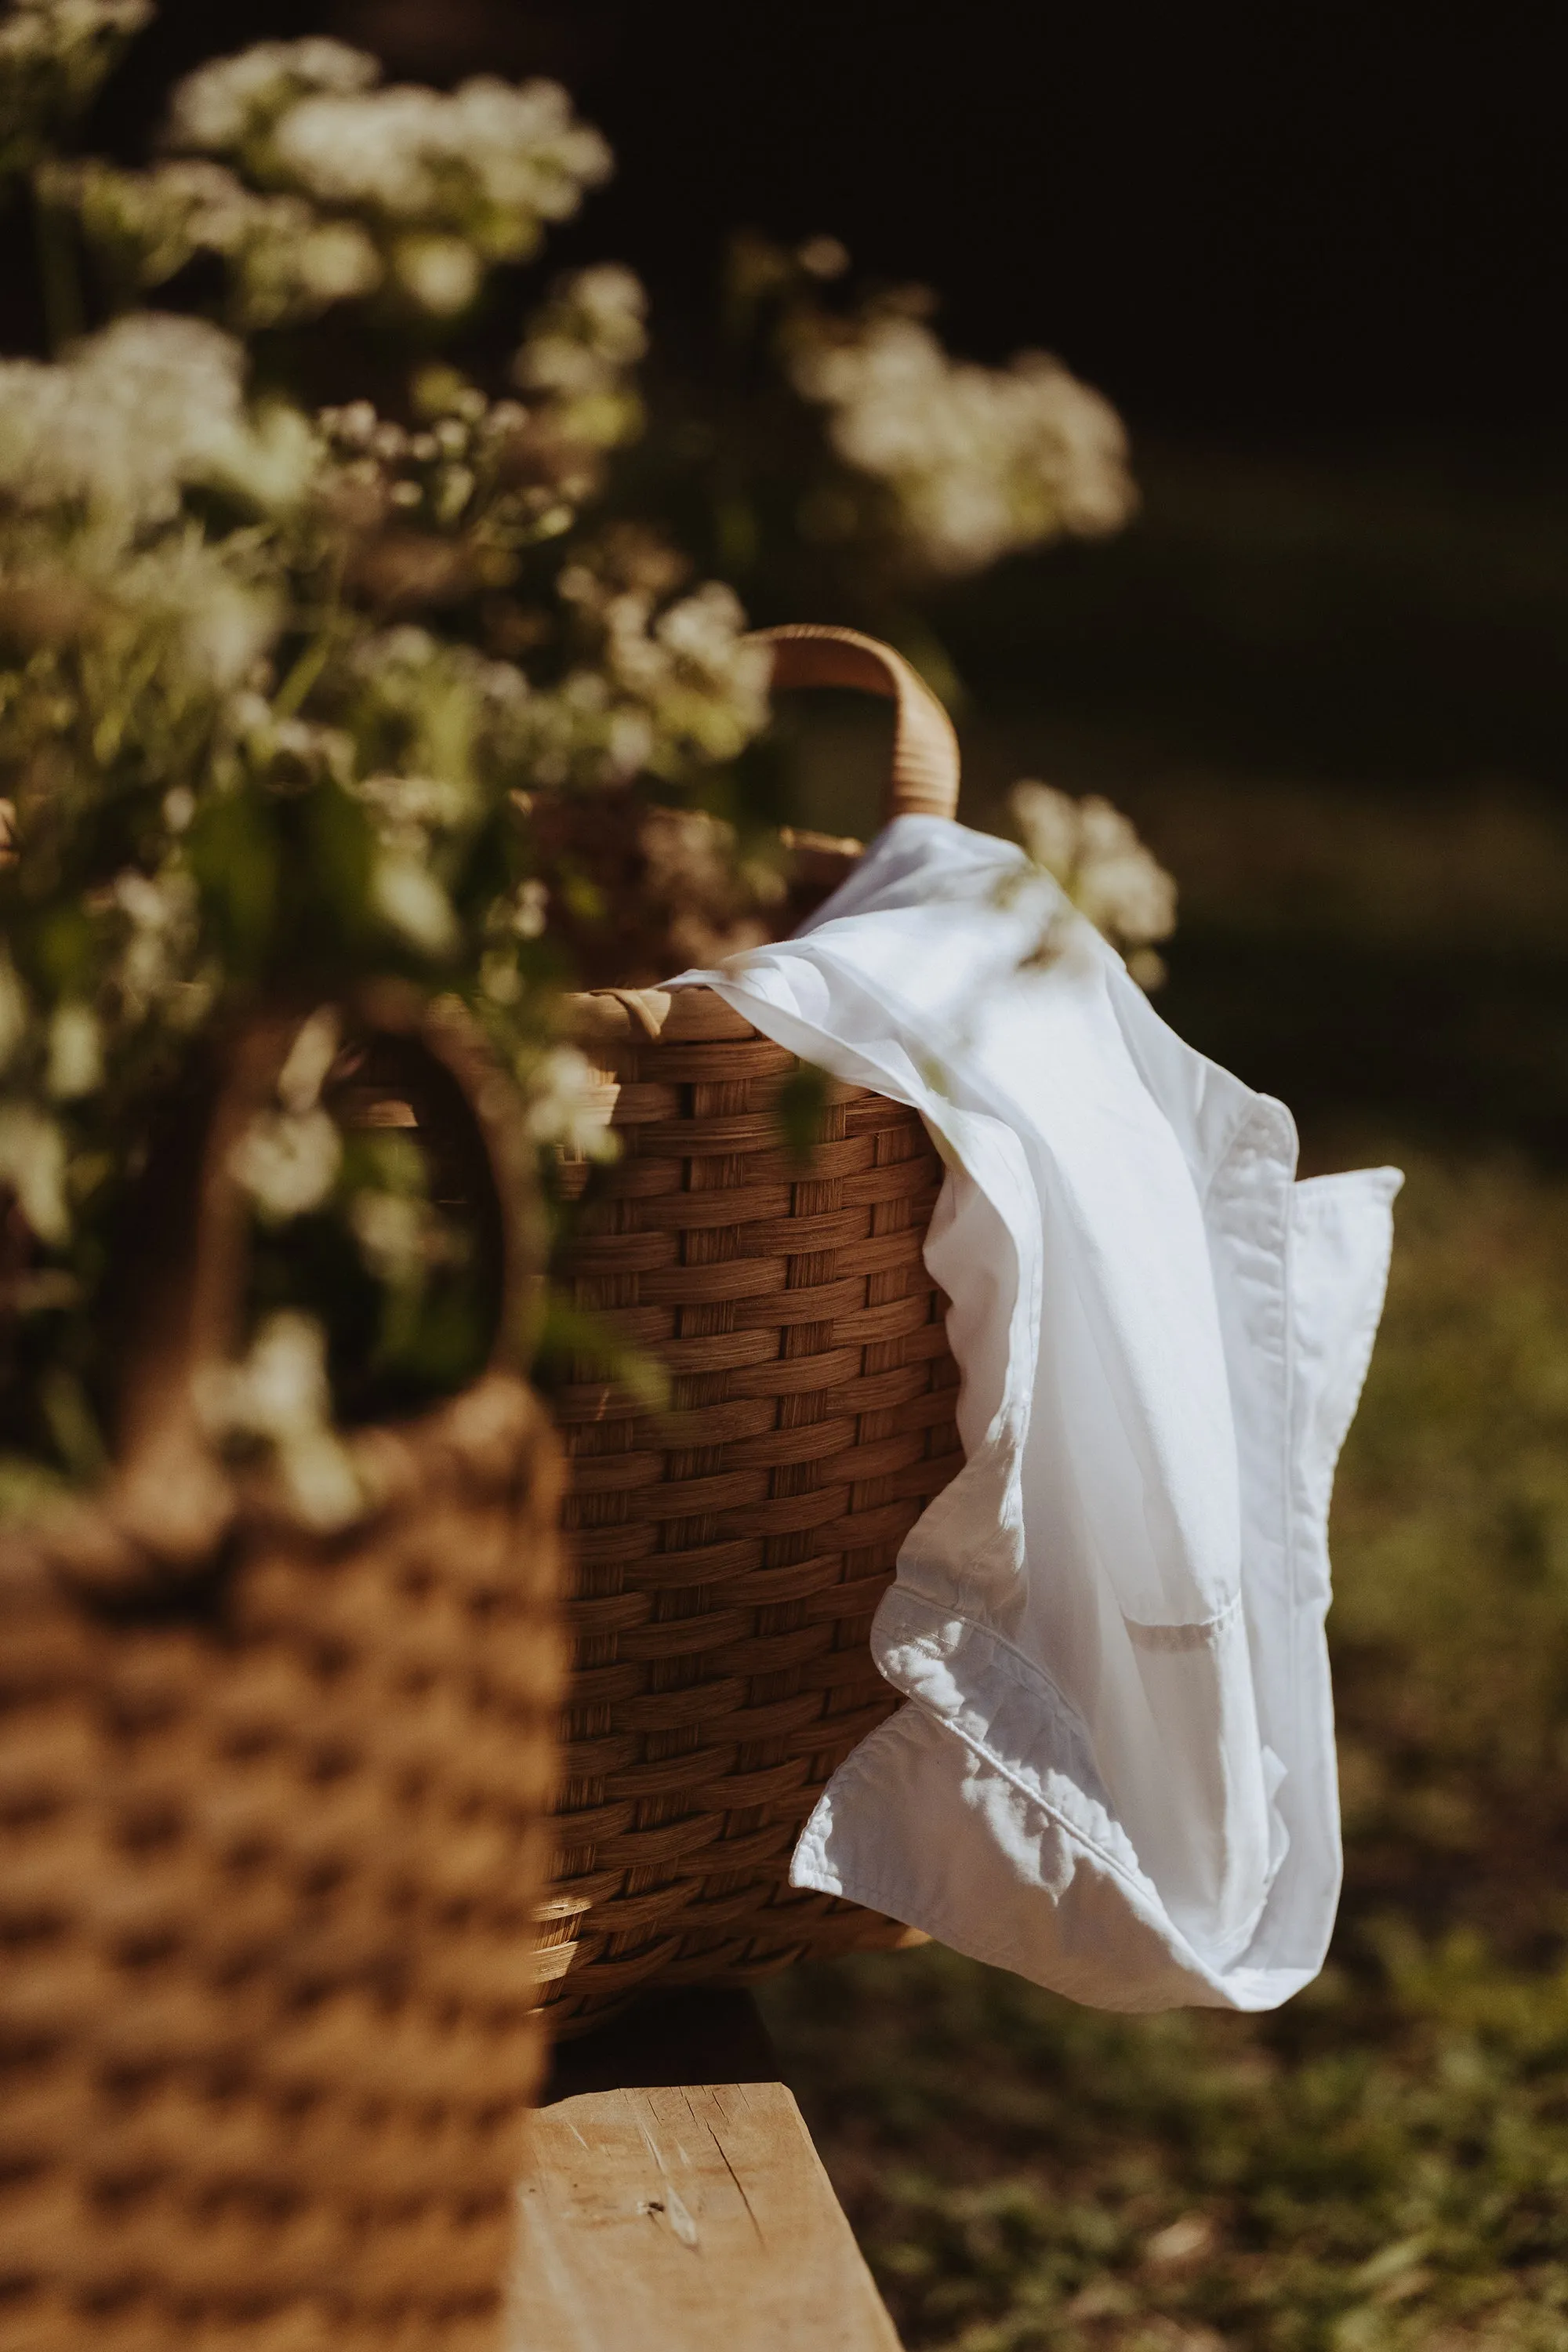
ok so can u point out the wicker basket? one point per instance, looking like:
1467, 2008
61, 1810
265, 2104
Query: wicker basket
269, 1848
726, 1556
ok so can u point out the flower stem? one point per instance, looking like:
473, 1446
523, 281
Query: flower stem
64, 318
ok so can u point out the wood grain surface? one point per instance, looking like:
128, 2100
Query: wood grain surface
686, 2218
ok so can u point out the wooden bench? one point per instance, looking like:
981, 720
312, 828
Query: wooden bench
674, 2202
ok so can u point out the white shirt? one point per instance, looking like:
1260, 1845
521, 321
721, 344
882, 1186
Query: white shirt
1115, 1773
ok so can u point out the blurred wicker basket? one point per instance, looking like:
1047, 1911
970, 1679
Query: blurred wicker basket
269, 1849
726, 1556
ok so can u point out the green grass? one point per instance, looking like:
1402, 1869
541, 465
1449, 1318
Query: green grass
1383, 2166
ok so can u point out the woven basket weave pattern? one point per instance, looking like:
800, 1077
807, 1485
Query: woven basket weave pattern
727, 1557
265, 1884
272, 1831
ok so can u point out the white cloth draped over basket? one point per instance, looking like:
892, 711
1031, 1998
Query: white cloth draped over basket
1115, 1773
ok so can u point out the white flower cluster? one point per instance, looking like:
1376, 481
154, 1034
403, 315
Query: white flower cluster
229, 106
279, 1397
667, 688
287, 1160
980, 461
33, 1164
230, 754
401, 1238
438, 185
580, 351
97, 454
285, 261
455, 478
1105, 871
569, 1105
119, 427
433, 712
51, 1057
662, 688
156, 968
53, 55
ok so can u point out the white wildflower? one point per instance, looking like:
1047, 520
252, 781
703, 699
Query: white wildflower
1120, 887
1106, 873
629, 742
569, 1105
115, 432
669, 687
225, 105
487, 161
76, 1052
286, 1162
374, 148
454, 488
593, 330
350, 427
394, 1236
33, 1164
223, 636
121, 425
193, 595
285, 261
408, 898
441, 274
309, 1059
1051, 824
530, 907
269, 461
408, 809
336, 262
162, 917
981, 461
291, 754
278, 1395
501, 979
707, 629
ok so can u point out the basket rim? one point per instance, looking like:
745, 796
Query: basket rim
641, 1016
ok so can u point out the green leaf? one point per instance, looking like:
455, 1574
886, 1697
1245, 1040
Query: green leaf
802, 1107
234, 853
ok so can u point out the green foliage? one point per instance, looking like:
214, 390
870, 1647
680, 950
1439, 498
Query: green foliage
428, 688
294, 696
280, 686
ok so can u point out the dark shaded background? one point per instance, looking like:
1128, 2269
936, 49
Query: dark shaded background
1321, 221
1312, 254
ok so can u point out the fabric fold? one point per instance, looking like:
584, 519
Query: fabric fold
1114, 1773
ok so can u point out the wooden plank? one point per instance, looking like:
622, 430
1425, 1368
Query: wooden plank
683, 2216
693, 2218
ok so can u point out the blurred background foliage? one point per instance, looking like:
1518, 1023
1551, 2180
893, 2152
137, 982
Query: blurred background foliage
1308, 257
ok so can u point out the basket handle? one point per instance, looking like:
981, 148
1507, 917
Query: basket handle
169, 1496
925, 770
